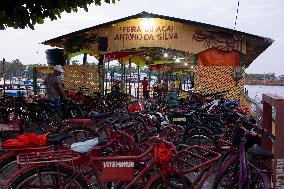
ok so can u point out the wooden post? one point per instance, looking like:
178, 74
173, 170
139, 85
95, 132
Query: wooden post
138, 79
106, 79
101, 73
4, 75
122, 85
85, 59
129, 69
270, 100
34, 80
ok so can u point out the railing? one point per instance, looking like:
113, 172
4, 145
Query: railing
270, 101
12, 89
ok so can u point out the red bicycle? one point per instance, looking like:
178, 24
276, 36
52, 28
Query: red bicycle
159, 166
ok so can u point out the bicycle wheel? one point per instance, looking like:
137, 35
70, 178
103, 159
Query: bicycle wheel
201, 140
172, 182
49, 120
260, 181
46, 177
8, 166
227, 178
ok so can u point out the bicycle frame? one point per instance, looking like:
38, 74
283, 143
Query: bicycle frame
244, 168
94, 163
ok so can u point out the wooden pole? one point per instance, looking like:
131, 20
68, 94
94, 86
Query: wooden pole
85, 59
34, 80
101, 73
129, 69
4, 75
106, 79
138, 79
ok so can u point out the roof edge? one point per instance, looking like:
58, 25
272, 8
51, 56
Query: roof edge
145, 14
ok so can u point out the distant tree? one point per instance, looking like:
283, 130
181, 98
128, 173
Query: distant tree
29, 70
27, 13
268, 76
12, 69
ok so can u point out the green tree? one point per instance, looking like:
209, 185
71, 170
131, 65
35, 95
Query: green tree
27, 13
29, 71
12, 69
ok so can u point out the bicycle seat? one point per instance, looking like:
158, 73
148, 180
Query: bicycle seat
57, 139
211, 116
84, 147
78, 121
98, 115
256, 150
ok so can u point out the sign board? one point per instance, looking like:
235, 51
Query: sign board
158, 32
117, 171
180, 119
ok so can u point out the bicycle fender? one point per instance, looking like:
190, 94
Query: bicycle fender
225, 166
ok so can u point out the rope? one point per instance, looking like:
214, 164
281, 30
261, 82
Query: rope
237, 15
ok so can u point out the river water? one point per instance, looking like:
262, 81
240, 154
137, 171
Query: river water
255, 91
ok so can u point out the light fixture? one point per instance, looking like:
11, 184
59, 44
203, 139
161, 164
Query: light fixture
177, 60
147, 24
185, 64
165, 55
191, 67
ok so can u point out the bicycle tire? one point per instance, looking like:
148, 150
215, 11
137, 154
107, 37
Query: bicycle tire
19, 181
231, 166
260, 181
173, 182
201, 140
5, 164
48, 119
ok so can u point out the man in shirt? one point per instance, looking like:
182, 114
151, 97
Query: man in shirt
145, 88
54, 89
177, 86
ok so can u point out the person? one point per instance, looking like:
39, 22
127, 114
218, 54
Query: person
177, 85
116, 86
54, 89
171, 85
145, 88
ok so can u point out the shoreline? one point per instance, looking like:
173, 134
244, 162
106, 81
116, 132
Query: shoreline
264, 84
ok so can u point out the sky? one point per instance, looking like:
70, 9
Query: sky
258, 17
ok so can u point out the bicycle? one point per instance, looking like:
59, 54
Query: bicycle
68, 169
8, 165
245, 168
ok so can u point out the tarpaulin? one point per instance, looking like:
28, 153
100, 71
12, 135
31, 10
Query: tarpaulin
217, 57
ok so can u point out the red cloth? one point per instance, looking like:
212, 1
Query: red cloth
163, 157
25, 140
217, 57
244, 108
145, 85
135, 108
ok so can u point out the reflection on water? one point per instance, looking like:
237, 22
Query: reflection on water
255, 91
